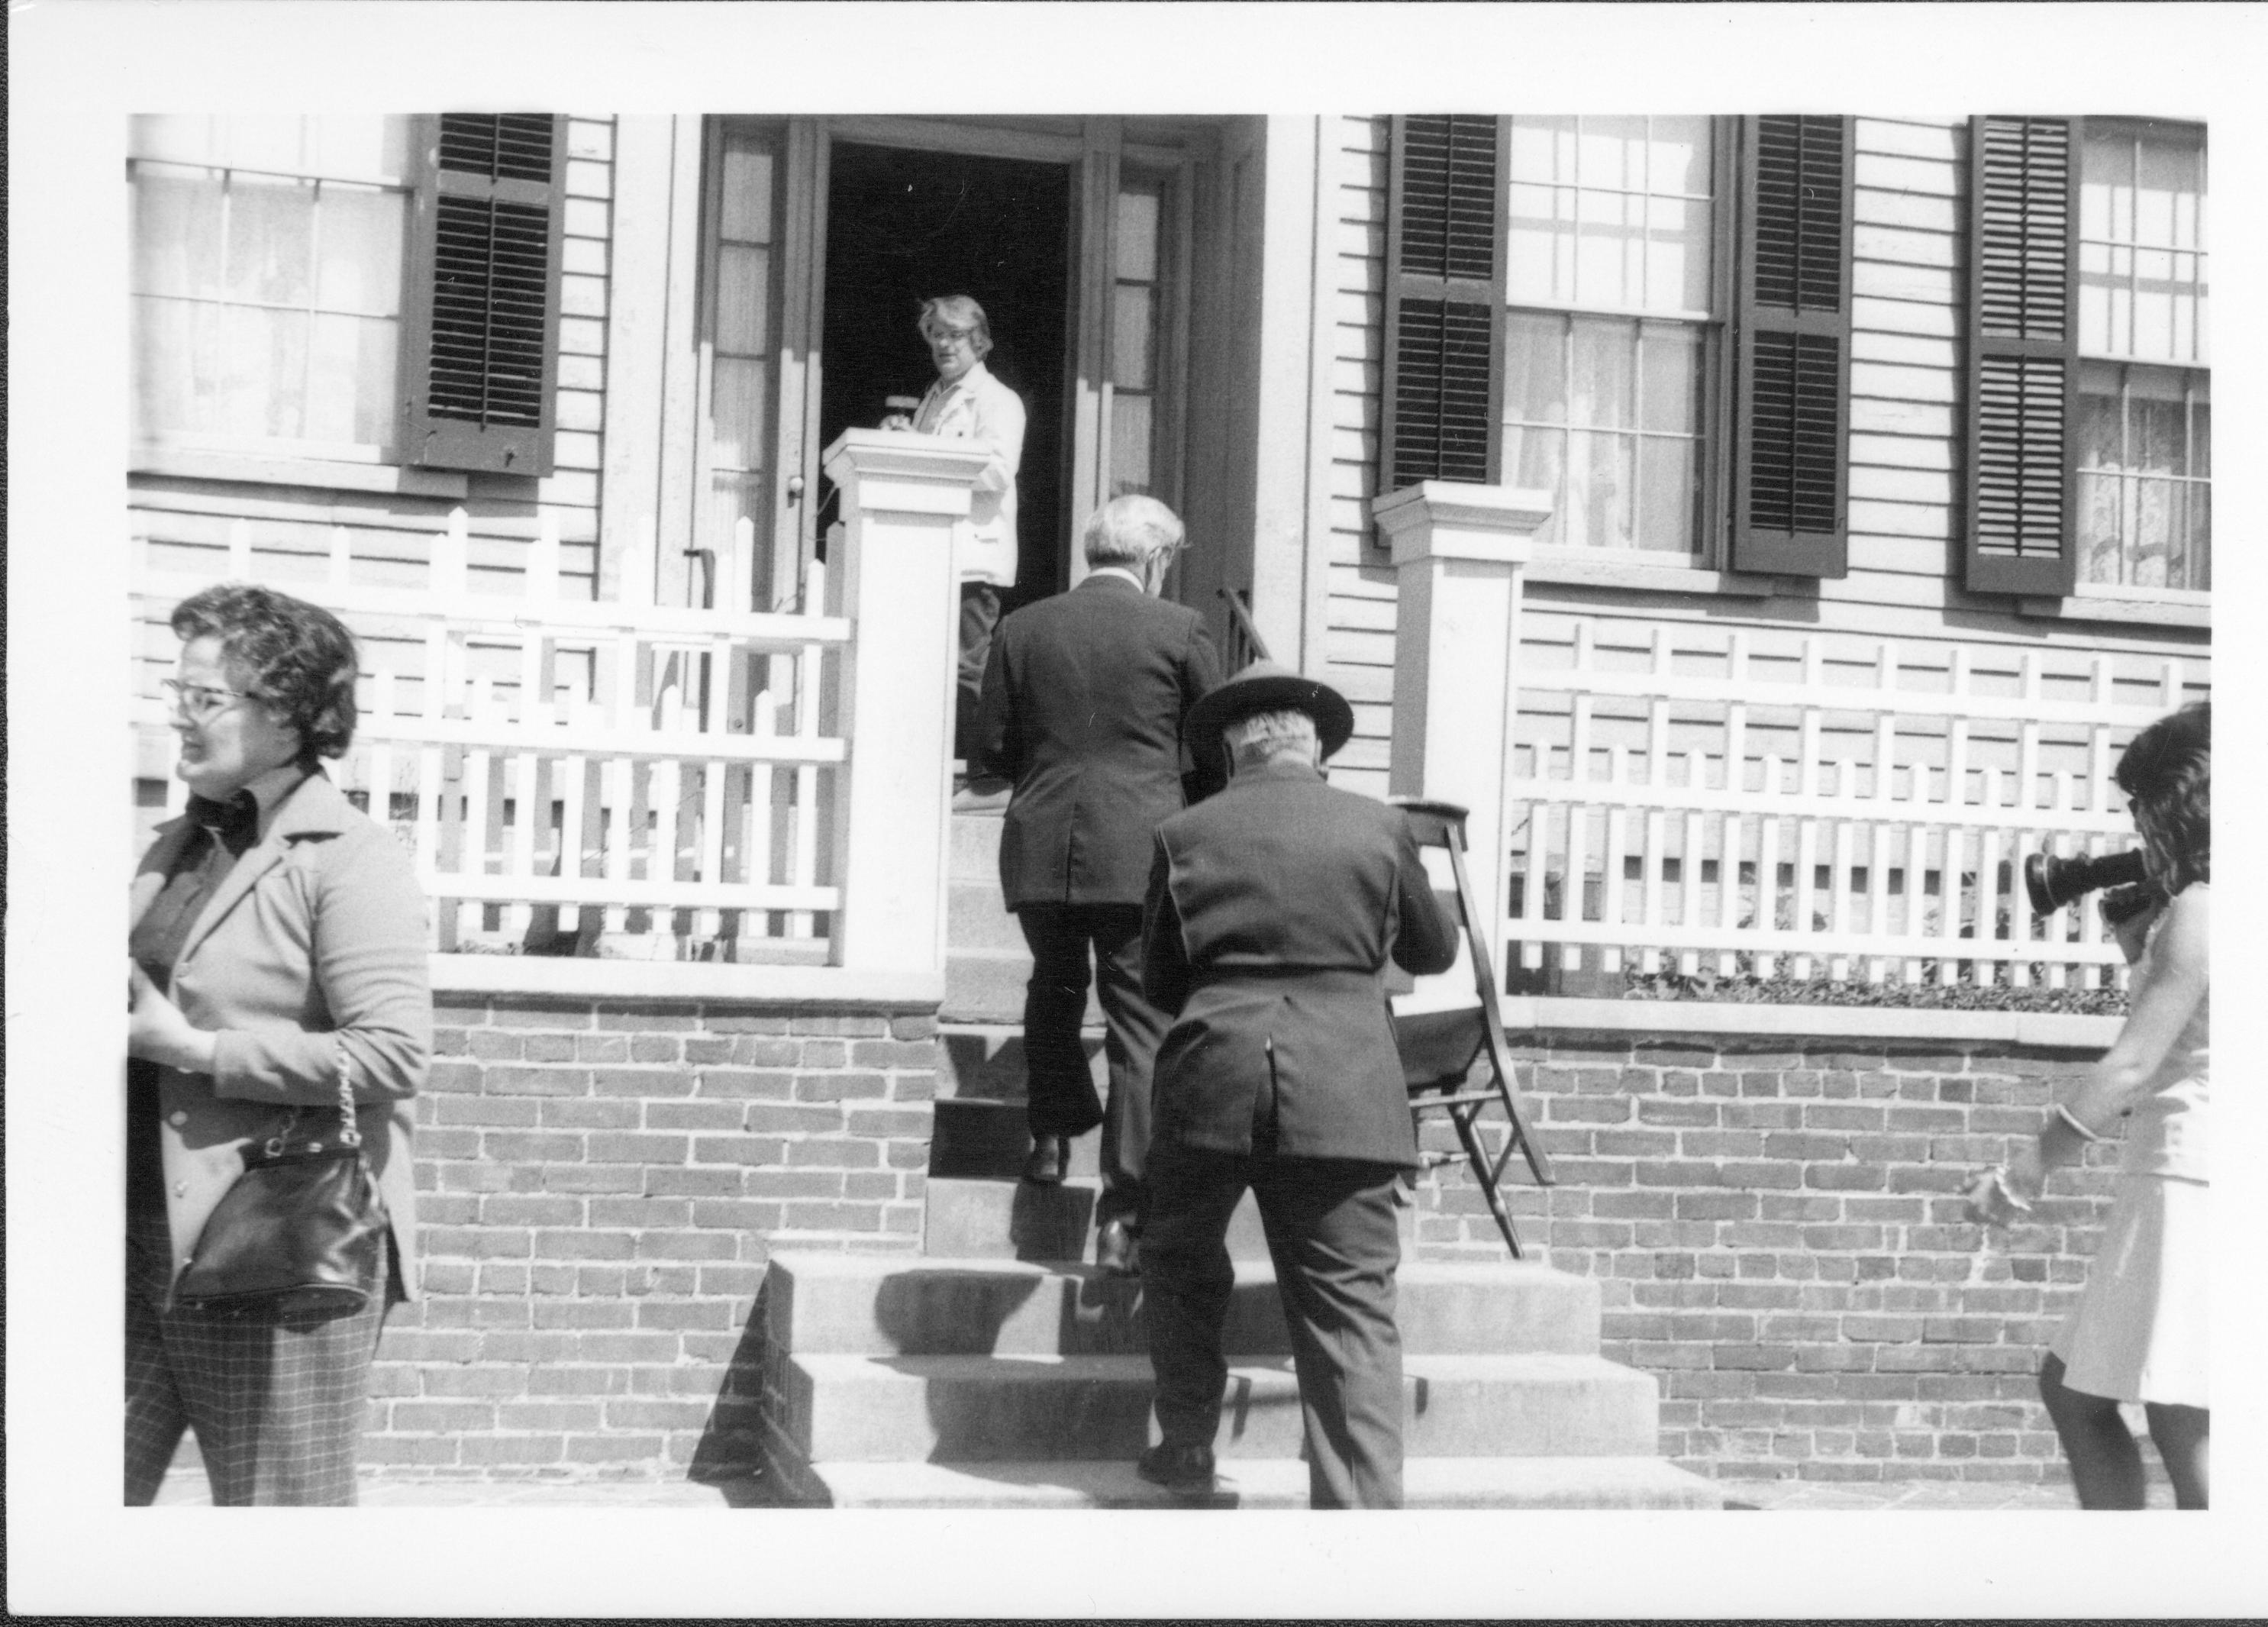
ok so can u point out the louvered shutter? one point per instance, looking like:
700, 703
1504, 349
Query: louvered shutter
1443, 393
2024, 355
1792, 378
480, 367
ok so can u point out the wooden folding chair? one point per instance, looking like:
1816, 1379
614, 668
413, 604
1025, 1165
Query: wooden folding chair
1444, 1046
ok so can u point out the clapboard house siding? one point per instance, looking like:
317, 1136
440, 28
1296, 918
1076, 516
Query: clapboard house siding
1909, 205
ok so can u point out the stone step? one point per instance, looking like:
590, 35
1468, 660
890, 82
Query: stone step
1567, 1483
975, 1138
974, 918
987, 1060
975, 853
977, 1408
987, 986
823, 1304
1007, 1220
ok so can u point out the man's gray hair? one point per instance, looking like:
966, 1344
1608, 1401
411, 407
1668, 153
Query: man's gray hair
958, 311
1263, 737
1131, 530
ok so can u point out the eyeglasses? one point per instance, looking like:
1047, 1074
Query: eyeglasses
197, 702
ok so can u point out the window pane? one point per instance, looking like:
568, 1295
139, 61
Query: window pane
1676, 255
743, 300
747, 191
267, 142
1611, 152
1677, 154
2155, 426
164, 365
2199, 561
360, 233
2168, 181
1543, 148
2098, 527
1666, 493
737, 412
1670, 383
1129, 340
188, 138
1605, 373
1129, 445
263, 371
1602, 246
1137, 236
176, 232
1535, 271
1535, 368
2106, 167
1532, 461
1598, 479
2101, 441
350, 381
2201, 435
270, 233
364, 149
2154, 531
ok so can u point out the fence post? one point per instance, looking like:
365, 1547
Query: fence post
902, 498
1460, 553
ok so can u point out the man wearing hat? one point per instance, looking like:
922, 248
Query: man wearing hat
1272, 911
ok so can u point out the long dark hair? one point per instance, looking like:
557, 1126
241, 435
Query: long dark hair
298, 657
2167, 774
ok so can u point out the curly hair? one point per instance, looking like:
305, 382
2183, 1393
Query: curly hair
2167, 774
298, 657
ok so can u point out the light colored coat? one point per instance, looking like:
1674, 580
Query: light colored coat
980, 408
316, 940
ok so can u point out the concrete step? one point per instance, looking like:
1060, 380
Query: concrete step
987, 986
978, 1408
975, 1139
1569, 1483
1000, 1219
987, 1060
974, 854
974, 918
823, 1303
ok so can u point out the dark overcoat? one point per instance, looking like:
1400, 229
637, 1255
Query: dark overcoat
1272, 911
1082, 707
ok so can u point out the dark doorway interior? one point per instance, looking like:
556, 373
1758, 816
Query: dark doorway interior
902, 226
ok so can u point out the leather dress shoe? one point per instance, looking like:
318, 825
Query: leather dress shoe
1187, 1469
1114, 1249
1045, 1163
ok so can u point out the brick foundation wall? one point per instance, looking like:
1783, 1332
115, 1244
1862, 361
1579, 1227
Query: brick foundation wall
1775, 1226
600, 1184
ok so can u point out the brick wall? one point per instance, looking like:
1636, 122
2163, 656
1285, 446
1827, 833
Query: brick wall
1775, 1226
600, 1183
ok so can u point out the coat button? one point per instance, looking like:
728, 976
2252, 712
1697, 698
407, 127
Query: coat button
181, 1188
177, 1118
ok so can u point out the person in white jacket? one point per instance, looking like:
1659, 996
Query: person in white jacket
968, 403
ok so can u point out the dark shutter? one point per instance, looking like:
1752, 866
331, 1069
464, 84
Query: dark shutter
1443, 393
1792, 370
481, 337
2024, 355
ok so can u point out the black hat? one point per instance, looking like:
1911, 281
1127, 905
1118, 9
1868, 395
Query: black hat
1265, 687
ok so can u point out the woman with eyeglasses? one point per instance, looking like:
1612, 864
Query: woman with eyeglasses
276, 932
2141, 1332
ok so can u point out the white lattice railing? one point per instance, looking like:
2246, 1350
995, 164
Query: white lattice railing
571, 770
1730, 800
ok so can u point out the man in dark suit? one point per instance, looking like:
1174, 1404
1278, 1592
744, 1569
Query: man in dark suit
1082, 707
1272, 911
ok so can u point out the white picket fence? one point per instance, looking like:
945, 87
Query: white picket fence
1735, 798
583, 777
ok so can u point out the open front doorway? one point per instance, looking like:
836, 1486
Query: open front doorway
903, 225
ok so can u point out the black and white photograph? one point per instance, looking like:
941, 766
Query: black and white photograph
932, 810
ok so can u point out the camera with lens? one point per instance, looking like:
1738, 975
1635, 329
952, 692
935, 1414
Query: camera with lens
2053, 883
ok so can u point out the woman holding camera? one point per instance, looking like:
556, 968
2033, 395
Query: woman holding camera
276, 956
2139, 1332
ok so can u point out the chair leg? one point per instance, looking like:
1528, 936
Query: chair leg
1484, 1173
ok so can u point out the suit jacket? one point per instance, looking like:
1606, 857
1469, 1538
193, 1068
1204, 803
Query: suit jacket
980, 408
316, 938
1082, 706
1272, 911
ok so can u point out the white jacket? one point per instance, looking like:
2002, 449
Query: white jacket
980, 408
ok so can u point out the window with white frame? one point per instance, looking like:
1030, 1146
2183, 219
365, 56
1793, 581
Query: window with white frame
266, 283
1610, 287
2144, 448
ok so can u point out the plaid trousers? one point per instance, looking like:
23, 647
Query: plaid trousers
277, 1406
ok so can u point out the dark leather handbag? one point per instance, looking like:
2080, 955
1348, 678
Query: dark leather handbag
301, 1234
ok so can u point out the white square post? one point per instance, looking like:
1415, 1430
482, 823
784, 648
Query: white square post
902, 496
1460, 555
